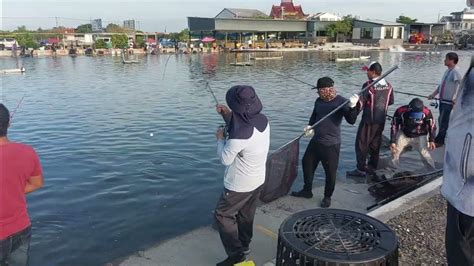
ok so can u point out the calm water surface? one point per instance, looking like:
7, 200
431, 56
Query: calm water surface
112, 188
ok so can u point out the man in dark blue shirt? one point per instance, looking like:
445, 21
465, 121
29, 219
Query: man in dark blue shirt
325, 145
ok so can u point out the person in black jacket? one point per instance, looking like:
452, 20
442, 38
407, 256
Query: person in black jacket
413, 124
374, 104
325, 145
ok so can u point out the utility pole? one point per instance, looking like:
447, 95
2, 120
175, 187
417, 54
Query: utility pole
56, 18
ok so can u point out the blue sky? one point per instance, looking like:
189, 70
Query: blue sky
156, 15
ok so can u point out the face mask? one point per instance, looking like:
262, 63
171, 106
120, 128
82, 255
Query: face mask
327, 94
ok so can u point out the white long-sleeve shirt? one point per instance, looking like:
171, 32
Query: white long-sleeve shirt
245, 160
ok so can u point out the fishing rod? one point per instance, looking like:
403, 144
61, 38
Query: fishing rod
291, 77
223, 127
353, 84
212, 92
347, 101
333, 111
16, 108
166, 64
402, 192
424, 96
407, 177
347, 83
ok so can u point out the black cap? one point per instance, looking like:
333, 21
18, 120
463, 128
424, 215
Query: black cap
324, 82
416, 105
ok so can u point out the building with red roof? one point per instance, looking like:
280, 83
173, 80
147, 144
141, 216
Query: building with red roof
287, 10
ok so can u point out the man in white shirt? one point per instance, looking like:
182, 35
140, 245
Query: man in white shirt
447, 92
244, 154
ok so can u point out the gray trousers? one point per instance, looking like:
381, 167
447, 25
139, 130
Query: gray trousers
419, 143
234, 216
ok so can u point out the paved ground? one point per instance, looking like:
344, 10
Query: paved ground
203, 247
420, 231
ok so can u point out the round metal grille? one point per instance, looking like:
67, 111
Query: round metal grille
335, 236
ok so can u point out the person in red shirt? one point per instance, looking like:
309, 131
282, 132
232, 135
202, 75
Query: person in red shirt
20, 174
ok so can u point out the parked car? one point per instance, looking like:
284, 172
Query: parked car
167, 43
7, 43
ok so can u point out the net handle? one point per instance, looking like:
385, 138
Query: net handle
347, 101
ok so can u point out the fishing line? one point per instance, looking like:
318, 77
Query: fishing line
353, 84
166, 64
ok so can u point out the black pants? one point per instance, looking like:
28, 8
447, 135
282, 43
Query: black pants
459, 238
368, 142
329, 157
443, 121
234, 216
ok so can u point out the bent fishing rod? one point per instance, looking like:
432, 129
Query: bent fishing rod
16, 108
223, 127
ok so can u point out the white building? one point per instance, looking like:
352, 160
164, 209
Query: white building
324, 16
459, 21
383, 33
79, 39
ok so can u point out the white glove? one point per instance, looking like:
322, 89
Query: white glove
308, 131
353, 100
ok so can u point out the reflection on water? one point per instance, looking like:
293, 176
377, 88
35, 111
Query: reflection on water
112, 187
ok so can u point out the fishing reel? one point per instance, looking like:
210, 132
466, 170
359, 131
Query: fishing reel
224, 128
434, 104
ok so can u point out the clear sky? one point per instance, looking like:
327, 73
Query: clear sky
158, 15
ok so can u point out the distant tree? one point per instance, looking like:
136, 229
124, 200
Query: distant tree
184, 35
120, 41
343, 26
26, 40
406, 20
100, 44
140, 41
114, 28
84, 28
181, 36
21, 29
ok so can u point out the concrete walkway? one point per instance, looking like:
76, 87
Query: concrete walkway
203, 246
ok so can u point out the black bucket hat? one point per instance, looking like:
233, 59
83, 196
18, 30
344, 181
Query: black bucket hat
246, 108
243, 99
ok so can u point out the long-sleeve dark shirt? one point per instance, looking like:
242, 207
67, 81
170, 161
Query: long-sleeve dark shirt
401, 120
375, 101
328, 132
